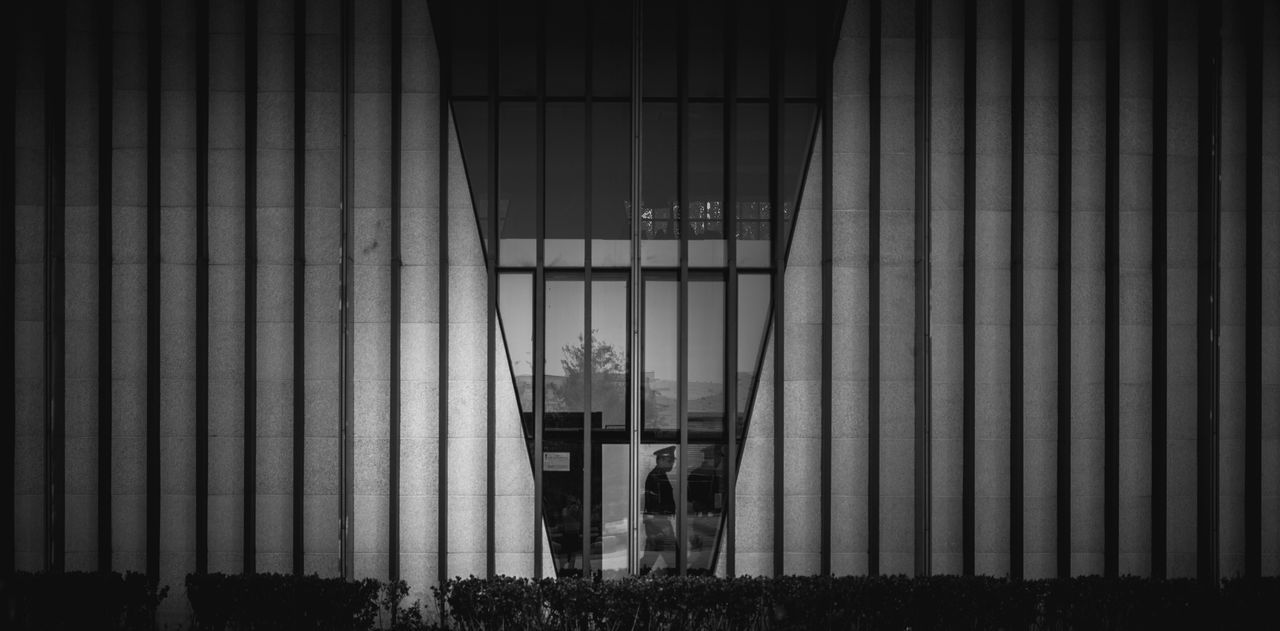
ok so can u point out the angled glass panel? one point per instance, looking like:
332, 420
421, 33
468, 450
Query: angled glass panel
471, 119
704, 173
517, 48
565, 185
753, 318
567, 366
659, 398
610, 184
611, 49
517, 184
754, 210
659, 201
706, 48
610, 441
468, 40
515, 312
567, 34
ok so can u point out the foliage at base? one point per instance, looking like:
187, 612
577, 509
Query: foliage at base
79, 600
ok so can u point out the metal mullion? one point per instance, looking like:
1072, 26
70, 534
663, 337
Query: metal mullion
1208, 290
776, 185
299, 280
202, 287
923, 367
393, 386
1016, 292
153, 290
1063, 514
104, 15
1159, 291
8, 159
636, 297
1253, 293
969, 482
491, 311
346, 422
1111, 267
55, 122
682, 302
250, 245
730, 216
825, 27
440, 18
588, 335
873, 291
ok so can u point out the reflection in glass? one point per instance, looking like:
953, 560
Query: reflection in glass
610, 442
475, 156
609, 351
515, 310
706, 359
660, 395
704, 174
610, 184
566, 170
659, 491
659, 200
753, 316
565, 376
753, 185
708, 484
517, 184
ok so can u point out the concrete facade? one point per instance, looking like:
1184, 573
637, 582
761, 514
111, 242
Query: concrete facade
420, 494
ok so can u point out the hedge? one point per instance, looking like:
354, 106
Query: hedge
79, 600
272, 601
892, 602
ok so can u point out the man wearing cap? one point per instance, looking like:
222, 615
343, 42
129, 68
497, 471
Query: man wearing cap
659, 507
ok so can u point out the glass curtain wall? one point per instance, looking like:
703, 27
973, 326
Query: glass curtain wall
627, 162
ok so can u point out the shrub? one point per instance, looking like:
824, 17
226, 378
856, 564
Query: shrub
825, 602
274, 601
79, 600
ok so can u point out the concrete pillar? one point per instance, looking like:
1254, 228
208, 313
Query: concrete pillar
1136, 85
322, 374
947, 291
1040, 291
226, 286
849, 325
129, 291
371, 251
82, 307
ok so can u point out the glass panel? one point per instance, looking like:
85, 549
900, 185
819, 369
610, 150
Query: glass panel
565, 185
753, 185
610, 442
517, 49
801, 62
706, 359
661, 18
797, 147
566, 44
753, 48
706, 44
660, 210
469, 47
660, 359
517, 184
611, 508
562, 423
472, 120
753, 316
611, 48
515, 311
610, 184
708, 473
659, 491
705, 173
609, 352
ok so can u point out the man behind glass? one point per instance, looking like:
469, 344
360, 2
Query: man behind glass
659, 507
